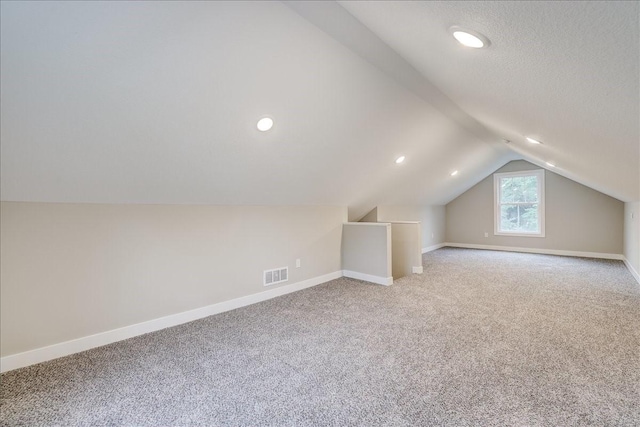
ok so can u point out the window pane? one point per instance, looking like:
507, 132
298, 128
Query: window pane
529, 218
519, 189
520, 201
508, 217
530, 184
507, 193
519, 218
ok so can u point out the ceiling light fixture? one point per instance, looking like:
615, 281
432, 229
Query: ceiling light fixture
533, 141
454, 173
400, 159
265, 123
551, 164
469, 38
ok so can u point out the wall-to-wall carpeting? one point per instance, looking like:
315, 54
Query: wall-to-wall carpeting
481, 338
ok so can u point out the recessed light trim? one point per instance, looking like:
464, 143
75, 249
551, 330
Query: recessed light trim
454, 173
551, 165
400, 159
264, 124
533, 141
469, 38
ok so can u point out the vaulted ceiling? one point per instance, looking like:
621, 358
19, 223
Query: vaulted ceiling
563, 72
157, 102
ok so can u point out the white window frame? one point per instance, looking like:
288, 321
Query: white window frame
539, 173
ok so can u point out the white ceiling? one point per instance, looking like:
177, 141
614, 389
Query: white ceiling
566, 73
156, 102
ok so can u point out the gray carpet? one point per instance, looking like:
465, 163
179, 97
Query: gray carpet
480, 339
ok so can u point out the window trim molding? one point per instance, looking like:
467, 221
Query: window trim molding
540, 173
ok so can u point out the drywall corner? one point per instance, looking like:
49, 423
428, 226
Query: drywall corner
366, 251
632, 238
432, 219
372, 216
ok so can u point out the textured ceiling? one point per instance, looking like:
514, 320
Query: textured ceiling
156, 102
566, 73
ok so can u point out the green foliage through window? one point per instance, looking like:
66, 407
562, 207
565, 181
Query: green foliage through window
519, 189
519, 204
519, 217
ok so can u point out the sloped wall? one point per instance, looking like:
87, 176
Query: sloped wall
577, 217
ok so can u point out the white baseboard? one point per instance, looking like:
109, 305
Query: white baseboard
417, 270
432, 247
66, 348
633, 271
386, 281
537, 251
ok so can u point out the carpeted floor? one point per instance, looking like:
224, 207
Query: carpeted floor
480, 339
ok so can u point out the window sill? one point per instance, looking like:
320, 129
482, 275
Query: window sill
519, 234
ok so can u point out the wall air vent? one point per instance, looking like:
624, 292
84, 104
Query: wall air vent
278, 275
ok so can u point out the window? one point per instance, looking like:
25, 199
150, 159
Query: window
519, 203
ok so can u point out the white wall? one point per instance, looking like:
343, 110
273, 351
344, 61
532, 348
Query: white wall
72, 270
632, 236
406, 249
432, 219
366, 252
577, 217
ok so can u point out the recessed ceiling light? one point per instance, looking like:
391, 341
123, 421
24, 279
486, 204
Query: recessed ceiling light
551, 164
265, 123
400, 159
533, 141
469, 38
454, 173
